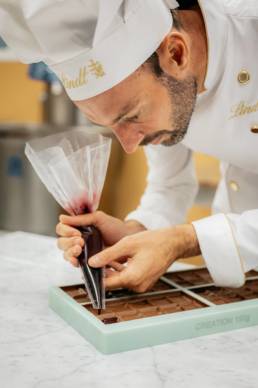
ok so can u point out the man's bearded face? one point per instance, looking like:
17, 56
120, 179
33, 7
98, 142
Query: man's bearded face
148, 107
183, 96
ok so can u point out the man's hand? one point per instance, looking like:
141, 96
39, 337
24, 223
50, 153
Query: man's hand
112, 230
148, 255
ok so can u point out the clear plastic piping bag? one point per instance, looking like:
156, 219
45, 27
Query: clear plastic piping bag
73, 165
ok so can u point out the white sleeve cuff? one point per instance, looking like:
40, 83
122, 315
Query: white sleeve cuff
219, 250
148, 219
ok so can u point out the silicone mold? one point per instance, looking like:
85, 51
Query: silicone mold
181, 305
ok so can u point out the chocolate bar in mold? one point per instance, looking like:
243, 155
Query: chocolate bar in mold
218, 295
124, 305
136, 308
190, 278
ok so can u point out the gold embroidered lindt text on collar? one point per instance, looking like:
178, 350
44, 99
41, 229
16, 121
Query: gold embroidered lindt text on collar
242, 109
94, 68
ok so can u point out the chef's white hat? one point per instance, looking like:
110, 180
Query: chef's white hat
91, 45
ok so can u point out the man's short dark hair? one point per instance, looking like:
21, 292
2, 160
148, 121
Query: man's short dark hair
183, 6
187, 4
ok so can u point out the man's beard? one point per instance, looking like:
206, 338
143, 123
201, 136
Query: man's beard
183, 95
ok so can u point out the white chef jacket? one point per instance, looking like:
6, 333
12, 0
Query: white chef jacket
224, 125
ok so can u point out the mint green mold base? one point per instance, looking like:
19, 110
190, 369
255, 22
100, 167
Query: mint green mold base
139, 333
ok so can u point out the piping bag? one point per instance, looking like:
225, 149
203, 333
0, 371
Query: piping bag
73, 165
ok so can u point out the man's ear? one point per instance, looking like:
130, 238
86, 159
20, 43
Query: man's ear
173, 55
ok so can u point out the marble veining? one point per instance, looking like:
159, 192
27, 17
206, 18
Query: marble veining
39, 350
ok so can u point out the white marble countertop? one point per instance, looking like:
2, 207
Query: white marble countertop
39, 350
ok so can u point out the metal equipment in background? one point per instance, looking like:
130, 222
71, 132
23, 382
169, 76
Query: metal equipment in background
25, 204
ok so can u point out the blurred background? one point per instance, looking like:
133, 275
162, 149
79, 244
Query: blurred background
33, 104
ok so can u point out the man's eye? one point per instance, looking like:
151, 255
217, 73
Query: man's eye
133, 118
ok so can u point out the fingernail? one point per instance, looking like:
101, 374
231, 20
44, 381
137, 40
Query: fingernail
78, 250
94, 261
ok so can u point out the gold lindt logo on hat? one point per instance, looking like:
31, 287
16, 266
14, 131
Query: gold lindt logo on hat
94, 68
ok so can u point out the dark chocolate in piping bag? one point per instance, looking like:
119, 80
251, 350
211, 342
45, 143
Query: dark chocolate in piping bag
73, 166
93, 277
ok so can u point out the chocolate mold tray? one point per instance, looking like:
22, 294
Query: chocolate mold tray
181, 305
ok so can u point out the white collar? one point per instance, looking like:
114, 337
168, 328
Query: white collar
216, 32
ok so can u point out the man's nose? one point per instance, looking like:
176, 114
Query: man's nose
129, 138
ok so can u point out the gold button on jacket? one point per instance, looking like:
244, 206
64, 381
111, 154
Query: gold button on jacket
243, 77
254, 129
234, 186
